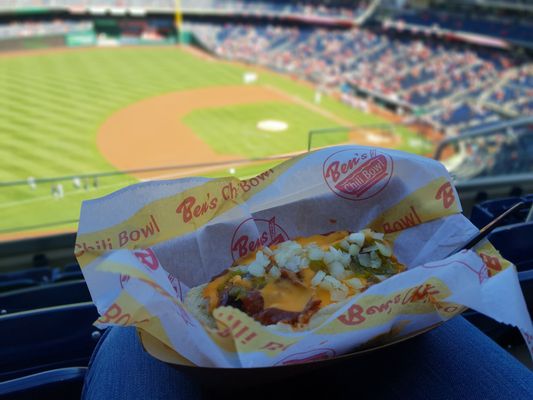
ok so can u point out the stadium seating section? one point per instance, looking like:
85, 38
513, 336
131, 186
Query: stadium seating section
38, 276
460, 86
505, 28
455, 86
337, 9
32, 29
342, 9
46, 331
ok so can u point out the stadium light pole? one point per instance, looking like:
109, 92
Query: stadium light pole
178, 18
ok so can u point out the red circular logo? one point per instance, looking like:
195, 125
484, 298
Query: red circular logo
254, 233
357, 173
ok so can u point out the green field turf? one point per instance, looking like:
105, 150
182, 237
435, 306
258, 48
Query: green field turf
52, 105
238, 126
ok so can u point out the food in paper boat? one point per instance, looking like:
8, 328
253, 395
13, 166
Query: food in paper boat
298, 283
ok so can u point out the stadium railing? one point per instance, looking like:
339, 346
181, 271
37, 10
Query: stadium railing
482, 132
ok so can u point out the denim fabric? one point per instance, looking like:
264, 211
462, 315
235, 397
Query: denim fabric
454, 361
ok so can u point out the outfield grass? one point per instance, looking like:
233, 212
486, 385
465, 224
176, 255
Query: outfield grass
52, 105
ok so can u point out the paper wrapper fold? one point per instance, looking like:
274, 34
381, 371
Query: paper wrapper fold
143, 247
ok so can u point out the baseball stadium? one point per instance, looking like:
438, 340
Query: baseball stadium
98, 95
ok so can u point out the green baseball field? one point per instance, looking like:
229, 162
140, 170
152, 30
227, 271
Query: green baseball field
69, 114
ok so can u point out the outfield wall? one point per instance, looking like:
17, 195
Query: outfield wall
32, 43
29, 31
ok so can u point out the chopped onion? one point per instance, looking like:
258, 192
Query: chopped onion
357, 238
256, 269
354, 283
375, 260
315, 253
336, 269
364, 259
354, 249
274, 272
384, 248
319, 276
344, 244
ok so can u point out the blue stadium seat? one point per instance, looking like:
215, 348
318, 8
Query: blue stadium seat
68, 273
485, 212
38, 275
505, 28
62, 276
48, 338
43, 296
514, 243
63, 383
16, 284
74, 267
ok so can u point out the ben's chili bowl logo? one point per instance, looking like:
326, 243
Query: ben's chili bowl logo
357, 174
266, 233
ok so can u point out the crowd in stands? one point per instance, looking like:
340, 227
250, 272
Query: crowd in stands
345, 9
29, 29
337, 9
503, 27
168, 5
465, 115
515, 94
509, 97
458, 86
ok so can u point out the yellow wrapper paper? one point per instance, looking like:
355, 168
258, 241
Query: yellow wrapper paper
143, 247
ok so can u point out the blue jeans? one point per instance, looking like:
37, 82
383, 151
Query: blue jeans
454, 361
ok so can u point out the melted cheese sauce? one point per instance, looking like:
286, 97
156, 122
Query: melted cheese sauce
323, 241
211, 291
286, 295
283, 293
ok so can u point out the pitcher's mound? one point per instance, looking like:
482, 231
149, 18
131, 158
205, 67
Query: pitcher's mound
272, 125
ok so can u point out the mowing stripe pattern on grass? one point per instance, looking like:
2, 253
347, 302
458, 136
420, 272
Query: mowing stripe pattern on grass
53, 104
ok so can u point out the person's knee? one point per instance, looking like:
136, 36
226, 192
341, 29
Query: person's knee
121, 369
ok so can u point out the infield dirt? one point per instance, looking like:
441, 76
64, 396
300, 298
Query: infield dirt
151, 134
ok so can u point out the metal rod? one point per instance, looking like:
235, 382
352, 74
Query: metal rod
483, 232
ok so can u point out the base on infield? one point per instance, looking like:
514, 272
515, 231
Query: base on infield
272, 125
